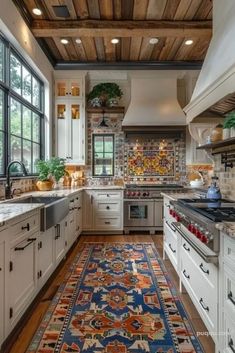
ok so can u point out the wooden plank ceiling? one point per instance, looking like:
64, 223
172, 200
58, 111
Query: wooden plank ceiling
133, 22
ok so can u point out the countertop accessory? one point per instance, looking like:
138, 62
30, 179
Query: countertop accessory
214, 191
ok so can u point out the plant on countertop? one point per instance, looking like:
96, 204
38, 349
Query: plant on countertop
43, 169
229, 121
106, 92
57, 168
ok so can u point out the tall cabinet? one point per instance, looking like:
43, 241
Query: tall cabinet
70, 118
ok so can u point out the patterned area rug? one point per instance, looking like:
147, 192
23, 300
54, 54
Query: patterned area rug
116, 299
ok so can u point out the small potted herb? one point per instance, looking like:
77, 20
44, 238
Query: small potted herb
44, 182
229, 125
107, 93
57, 169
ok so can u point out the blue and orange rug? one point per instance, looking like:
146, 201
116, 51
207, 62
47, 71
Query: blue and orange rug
116, 299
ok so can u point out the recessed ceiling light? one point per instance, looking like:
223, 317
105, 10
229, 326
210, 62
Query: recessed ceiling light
64, 41
115, 40
153, 40
188, 42
78, 41
37, 11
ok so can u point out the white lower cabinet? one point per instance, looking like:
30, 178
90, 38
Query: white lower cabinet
103, 210
171, 245
59, 241
21, 279
45, 261
2, 272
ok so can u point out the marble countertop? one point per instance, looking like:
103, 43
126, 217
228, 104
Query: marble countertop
174, 196
8, 211
227, 227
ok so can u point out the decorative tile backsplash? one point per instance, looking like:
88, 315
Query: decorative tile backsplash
226, 179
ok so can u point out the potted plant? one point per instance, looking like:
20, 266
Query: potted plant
57, 169
108, 93
229, 125
44, 182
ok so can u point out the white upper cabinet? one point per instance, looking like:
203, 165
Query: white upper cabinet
70, 120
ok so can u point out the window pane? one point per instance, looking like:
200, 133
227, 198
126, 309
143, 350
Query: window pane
36, 155
27, 123
26, 82
16, 149
15, 74
15, 117
1, 61
36, 128
108, 144
1, 152
1, 110
103, 153
36, 93
27, 155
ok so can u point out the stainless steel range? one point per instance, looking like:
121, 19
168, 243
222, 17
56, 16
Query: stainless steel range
143, 207
196, 221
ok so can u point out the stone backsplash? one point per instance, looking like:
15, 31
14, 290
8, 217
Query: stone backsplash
226, 179
18, 185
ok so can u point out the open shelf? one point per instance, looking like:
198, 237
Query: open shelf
106, 110
223, 143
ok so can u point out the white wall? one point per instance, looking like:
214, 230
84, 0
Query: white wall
17, 32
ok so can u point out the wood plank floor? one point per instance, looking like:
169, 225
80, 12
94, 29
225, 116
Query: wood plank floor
21, 343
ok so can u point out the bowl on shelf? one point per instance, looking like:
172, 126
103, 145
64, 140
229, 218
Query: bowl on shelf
196, 183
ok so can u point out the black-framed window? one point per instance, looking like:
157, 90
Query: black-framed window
103, 155
21, 111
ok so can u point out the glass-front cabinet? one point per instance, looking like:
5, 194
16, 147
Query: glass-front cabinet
70, 120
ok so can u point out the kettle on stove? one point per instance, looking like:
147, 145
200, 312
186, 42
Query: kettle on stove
213, 191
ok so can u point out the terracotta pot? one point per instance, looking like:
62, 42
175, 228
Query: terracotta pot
44, 185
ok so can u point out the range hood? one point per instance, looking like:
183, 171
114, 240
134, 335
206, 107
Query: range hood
215, 87
153, 103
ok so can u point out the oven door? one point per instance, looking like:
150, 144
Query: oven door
138, 213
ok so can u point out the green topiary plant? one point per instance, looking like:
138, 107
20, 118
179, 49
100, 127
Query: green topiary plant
229, 121
57, 168
105, 91
43, 169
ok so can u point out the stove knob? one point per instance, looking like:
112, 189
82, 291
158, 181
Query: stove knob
204, 239
190, 227
128, 193
133, 193
144, 194
199, 234
138, 193
178, 219
147, 193
171, 211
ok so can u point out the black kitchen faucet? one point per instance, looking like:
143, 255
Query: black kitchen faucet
8, 193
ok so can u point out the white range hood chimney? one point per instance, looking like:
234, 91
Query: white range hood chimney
154, 103
217, 77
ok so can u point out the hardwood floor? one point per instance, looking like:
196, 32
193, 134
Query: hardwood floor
21, 343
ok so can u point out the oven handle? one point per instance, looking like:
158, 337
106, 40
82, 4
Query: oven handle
171, 226
207, 257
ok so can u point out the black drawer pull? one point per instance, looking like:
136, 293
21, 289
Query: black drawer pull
107, 222
230, 297
174, 251
203, 270
185, 274
185, 247
107, 208
26, 227
203, 305
29, 241
231, 346
169, 225
79, 208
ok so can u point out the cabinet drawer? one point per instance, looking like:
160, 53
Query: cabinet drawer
229, 339
229, 250
107, 223
108, 194
203, 294
27, 226
229, 292
105, 206
208, 270
171, 245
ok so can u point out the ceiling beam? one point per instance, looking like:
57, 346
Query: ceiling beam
126, 28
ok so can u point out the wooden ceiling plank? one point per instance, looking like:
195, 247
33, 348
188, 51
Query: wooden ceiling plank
192, 9
125, 49
48, 6
140, 9
166, 49
156, 9
61, 48
146, 50
184, 51
203, 10
209, 17
81, 55
81, 8
94, 9
127, 9
182, 9
70, 47
118, 51
99, 43
158, 49
175, 47
71, 8
135, 48
94, 28
199, 50
170, 9
89, 47
110, 50
53, 48
117, 9
106, 9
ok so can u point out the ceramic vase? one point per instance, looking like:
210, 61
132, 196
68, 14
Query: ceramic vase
232, 131
226, 133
